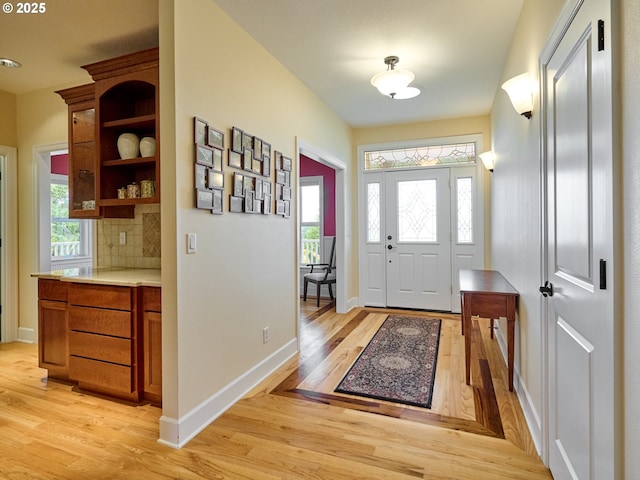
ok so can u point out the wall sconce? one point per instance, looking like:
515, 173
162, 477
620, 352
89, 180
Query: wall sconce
520, 91
488, 159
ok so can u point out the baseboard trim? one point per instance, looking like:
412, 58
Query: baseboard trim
177, 432
526, 402
26, 335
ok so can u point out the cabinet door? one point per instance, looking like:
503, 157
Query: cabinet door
152, 325
53, 344
82, 163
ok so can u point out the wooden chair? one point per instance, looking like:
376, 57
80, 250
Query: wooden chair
326, 277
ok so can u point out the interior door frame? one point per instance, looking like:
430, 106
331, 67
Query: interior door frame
479, 201
9, 251
343, 305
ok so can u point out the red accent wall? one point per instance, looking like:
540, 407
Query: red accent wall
60, 164
311, 168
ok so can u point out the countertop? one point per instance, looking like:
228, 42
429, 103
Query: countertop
128, 277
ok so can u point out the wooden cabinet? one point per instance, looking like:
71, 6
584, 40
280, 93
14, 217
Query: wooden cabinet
104, 337
83, 192
127, 99
152, 343
123, 99
53, 350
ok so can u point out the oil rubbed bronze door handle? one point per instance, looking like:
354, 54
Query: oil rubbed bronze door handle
547, 289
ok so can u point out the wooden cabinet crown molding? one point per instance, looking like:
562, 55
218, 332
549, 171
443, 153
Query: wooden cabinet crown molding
81, 93
133, 62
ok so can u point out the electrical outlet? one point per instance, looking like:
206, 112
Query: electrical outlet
123, 238
265, 335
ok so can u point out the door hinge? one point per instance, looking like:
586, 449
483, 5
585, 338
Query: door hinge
603, 274
600, 35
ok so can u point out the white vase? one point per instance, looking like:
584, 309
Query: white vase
128, 145
148, 146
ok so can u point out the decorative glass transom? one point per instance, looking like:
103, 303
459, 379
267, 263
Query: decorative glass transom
426, 156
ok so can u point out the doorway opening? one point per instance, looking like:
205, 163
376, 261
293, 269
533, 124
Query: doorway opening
8, 245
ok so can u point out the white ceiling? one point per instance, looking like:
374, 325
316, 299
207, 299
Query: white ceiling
456, 48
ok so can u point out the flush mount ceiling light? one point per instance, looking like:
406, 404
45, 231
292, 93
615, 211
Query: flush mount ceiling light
520, 91
7, 62
395, 83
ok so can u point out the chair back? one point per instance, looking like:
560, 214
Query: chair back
332, 256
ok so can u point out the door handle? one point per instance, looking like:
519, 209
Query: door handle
547, 289
389, 247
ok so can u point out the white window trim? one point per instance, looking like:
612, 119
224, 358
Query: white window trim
86, 232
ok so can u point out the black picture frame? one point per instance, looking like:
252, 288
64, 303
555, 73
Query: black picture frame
200, 177
247, 159
236, 139
266, 165
286, 163
204, 155
204, 199
238, 185
217, 158
257, 148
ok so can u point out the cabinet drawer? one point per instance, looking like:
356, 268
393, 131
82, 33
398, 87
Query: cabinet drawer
95, 320
107, 375
100, 347
52, 290
100, 296
151, 299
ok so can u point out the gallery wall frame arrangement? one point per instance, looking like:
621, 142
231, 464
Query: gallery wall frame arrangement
250, 157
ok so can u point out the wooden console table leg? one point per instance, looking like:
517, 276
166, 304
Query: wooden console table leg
511, 321
466, 325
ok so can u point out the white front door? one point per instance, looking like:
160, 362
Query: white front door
579, 241
418, 239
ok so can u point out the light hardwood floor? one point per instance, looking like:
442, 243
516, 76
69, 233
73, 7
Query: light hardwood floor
291, 426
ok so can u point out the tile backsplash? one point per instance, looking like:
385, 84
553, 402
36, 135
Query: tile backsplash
142, 248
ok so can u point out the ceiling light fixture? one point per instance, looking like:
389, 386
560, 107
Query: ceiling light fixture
7, 62
395, 83
520, 91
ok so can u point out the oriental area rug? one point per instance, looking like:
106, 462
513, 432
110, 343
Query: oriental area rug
398, 364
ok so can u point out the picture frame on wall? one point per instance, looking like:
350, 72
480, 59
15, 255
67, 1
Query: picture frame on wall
236, 139
215, 180
247, 140
256, 166
257, 148
248, 183
200, 177
249, 199
286, 193
217, 158
279, 207
280, 177
204, 199
238, 184
266, 204
236, 204
266, 165
266, 187
217, 202
215, 138
259, 189
287, 208
257, 206
200, 131
286, 164
277, 160
266, 149
204, 155
235, 159
247, 159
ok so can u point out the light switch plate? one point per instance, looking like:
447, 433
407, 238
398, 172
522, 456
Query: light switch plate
191, 243
123, 238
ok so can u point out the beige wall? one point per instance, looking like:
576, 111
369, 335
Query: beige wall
41, 121
8, 120
516, 218
243, 276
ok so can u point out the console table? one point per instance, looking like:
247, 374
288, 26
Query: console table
488, 294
